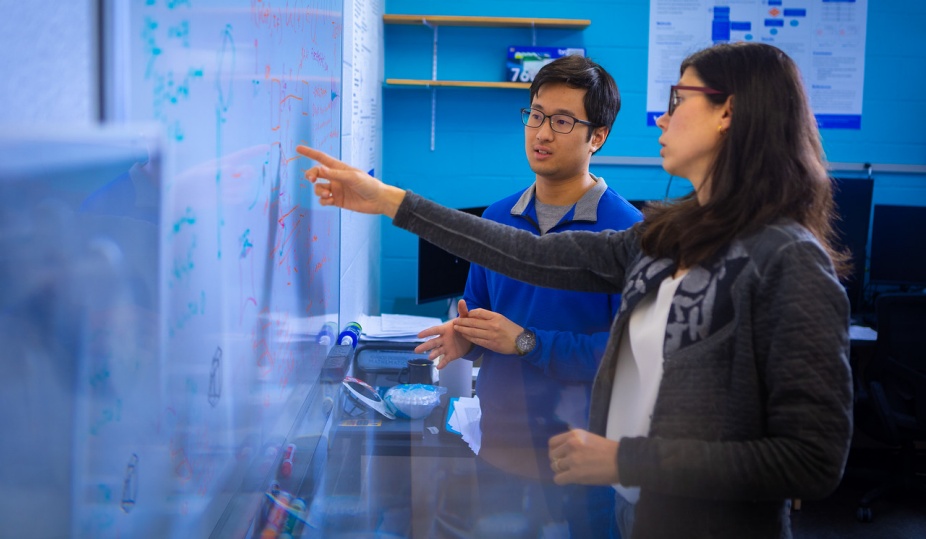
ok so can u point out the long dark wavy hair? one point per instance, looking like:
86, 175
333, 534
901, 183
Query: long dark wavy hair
770, 163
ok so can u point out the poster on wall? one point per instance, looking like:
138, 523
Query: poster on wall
825, 37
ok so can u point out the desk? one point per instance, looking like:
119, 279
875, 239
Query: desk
386, 483
862, 344
426, 436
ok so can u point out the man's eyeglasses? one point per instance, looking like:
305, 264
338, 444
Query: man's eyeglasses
561, 123
673, 94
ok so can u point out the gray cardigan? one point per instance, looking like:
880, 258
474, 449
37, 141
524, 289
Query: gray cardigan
755, 403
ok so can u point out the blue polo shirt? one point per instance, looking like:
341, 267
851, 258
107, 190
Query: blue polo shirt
526, 400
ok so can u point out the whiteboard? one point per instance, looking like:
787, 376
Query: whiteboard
248, 260
79, 322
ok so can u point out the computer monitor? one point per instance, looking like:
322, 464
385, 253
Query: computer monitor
852, 197
638, 203
897, 254
441, 275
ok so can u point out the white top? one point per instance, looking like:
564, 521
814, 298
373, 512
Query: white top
639, 370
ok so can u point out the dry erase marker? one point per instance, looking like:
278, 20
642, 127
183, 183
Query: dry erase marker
293, 526
286, 467
327, 333
279, 513
350, 335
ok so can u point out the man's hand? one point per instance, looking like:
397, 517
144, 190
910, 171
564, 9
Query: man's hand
489, 329
448, 345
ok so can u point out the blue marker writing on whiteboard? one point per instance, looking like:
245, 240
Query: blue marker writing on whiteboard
350, 335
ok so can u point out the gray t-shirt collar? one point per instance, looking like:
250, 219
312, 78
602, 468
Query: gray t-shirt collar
586, 207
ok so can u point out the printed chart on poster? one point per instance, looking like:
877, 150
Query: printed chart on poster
825, 37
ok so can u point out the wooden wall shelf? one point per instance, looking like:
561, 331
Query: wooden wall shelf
425, 83
435, 21
506, 22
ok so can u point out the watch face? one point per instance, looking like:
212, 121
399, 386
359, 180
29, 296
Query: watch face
525, 342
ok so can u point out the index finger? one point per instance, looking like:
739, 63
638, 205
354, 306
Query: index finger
431, 331
483, 314
471, 322
321, 157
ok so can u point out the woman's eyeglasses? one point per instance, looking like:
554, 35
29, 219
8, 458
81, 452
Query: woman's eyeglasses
673, 94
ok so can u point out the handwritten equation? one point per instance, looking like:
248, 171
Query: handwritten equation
245, 250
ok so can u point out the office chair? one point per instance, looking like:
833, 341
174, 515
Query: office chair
891, 396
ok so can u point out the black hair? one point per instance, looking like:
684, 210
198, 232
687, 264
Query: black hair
602, 98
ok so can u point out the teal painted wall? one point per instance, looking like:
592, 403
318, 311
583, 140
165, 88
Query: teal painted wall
479, 156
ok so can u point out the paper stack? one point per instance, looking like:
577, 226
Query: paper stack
395, 327
464, 420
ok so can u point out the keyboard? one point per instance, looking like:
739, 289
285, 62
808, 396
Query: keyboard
378, 360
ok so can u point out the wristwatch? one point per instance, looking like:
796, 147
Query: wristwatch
525, 342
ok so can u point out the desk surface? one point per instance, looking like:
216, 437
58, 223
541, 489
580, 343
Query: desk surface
426, 437
373, 434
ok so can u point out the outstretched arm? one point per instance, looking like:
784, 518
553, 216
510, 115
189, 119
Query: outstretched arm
576, 260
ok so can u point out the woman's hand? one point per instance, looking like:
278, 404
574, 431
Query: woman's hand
348, 187
578, 456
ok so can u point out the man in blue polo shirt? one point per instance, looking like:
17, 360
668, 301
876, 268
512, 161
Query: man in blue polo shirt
540, 347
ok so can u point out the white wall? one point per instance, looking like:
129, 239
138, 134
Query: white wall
361, 146
48, 60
